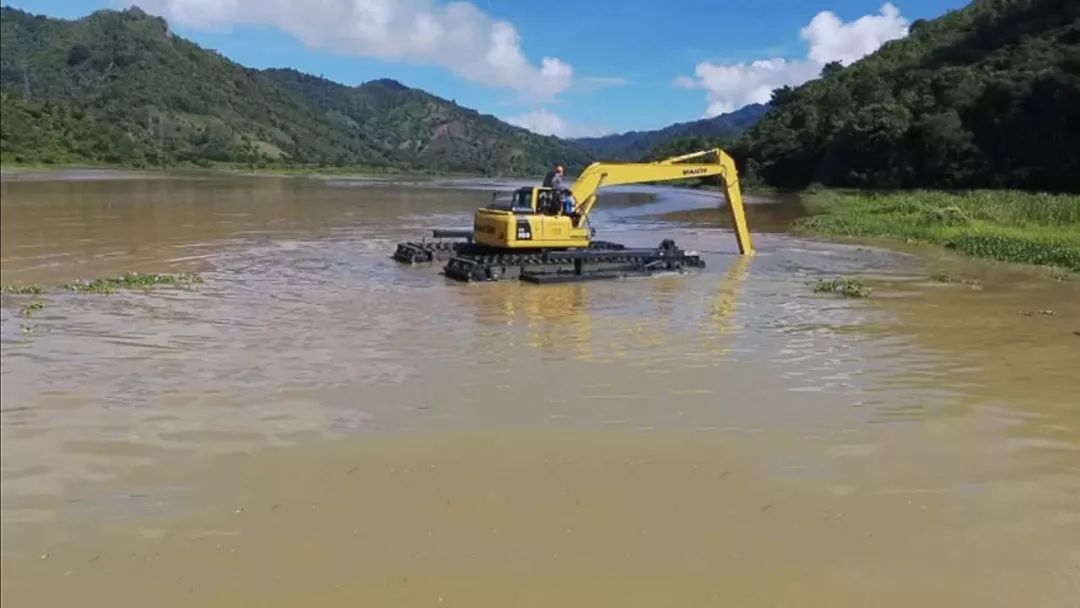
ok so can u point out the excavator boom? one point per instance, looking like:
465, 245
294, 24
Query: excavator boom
693, 165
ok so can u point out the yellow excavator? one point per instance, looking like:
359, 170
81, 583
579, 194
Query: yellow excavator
535, 236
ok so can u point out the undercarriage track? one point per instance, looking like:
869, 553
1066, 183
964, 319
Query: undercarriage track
471, 262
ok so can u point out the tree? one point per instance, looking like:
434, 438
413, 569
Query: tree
77, 54
782, 96
831, 68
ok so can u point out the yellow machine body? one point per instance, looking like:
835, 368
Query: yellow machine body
533, 219
530, 222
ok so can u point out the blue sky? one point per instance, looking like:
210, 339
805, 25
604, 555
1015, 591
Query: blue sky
613, 65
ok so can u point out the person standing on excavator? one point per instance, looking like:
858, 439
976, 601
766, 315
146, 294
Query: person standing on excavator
553, 180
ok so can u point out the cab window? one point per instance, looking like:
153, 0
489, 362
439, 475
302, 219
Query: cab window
501, 204
523, 201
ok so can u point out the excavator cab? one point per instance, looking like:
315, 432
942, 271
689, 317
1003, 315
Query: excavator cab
526, 201
532, 218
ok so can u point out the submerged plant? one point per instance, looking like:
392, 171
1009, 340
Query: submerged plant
1059, 274
944, 277
848, 288
28, 310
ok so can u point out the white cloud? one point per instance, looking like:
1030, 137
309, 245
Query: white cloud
545, 122
833, 40
455, 35
731, 86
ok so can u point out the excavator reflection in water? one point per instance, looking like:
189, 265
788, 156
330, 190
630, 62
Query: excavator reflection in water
574, 320
555, 319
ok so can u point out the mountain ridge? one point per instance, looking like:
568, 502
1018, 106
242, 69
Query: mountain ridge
118, 87
636, 145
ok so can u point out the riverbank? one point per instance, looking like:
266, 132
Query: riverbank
1011, 226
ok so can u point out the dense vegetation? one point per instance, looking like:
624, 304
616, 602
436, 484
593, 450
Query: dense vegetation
1000, 224
985, 96
635, 145
119, 87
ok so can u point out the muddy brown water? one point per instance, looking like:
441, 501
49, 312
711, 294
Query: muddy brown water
316, 425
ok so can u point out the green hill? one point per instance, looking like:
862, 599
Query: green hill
119, 87
988, 95
635, 145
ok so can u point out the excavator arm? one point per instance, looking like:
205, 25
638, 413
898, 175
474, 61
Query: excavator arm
706, 163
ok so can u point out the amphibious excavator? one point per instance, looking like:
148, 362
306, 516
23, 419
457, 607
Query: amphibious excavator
534, 237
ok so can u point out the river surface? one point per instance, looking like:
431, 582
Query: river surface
316, 425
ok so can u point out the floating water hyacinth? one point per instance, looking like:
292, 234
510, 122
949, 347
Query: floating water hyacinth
848, 288
130, 280
23, 290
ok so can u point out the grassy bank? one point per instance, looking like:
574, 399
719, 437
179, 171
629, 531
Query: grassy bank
1010, 226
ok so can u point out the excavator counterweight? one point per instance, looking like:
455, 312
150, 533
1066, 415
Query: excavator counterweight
535, 237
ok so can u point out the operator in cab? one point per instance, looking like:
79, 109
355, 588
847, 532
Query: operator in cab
554, 181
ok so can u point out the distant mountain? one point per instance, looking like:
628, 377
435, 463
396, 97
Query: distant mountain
983, 96
120, 87
635, 145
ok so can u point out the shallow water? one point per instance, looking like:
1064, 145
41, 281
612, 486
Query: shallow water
318, 425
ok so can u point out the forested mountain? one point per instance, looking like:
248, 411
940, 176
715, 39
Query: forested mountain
635, 145
988, 95
119, 87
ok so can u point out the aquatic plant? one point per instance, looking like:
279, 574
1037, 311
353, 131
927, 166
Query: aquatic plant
20, 290
848, 288
132, 280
